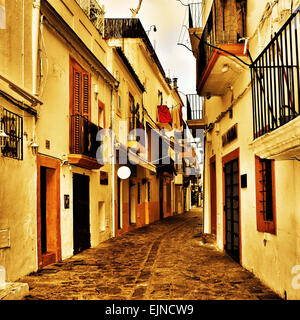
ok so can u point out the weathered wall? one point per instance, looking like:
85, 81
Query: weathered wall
270, 257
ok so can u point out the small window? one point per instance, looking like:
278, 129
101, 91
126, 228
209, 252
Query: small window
101, 115
12, 125
149, 190
265, 195
119, 103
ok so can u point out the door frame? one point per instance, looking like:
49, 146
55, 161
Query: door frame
213, 198
50, 163
235, 154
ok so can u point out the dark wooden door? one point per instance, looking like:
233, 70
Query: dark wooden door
232, 212
213, 197
81, 212
161, 199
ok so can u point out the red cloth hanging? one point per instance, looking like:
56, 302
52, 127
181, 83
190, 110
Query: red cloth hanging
164, 114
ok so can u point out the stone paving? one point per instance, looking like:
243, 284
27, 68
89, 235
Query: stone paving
167, 260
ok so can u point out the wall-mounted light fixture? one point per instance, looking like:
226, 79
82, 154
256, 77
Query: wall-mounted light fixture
154, 29
3, 138
225, 68
34, 147
117, 83
96, 90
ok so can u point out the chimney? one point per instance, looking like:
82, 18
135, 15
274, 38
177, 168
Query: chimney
175, 83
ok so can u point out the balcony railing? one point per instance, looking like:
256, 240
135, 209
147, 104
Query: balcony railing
195, 15
83, 137
192, 20
194, 104
275, 75
94, 12
226, 24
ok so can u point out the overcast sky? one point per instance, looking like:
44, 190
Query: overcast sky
168, 16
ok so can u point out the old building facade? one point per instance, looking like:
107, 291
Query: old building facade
248, 73
66, 85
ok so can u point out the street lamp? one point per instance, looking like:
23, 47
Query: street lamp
154, 29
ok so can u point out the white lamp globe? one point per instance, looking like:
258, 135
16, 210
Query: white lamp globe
124, 172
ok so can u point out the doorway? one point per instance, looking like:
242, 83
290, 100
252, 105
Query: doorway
232, 208
81, 212
48, 211
213, 196
161, 199
132, 203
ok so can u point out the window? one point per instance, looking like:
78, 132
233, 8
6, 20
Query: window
101, 115
149, 190
119, 103
12, 125
80, 91
80, 109
265, 195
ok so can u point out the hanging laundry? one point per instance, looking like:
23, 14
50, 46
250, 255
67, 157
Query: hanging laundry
177, 117
164, 114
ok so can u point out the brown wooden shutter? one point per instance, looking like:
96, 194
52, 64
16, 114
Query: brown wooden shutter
86, 95
77, 92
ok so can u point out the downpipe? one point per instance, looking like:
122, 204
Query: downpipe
35, 40
112, 164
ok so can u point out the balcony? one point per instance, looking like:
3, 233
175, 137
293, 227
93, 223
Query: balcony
195, 113
192, 24
275, 95
83, 144
225, 28
94, 12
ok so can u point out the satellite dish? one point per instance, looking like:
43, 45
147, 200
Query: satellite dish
124, 172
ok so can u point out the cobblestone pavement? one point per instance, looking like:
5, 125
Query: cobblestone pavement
169, 259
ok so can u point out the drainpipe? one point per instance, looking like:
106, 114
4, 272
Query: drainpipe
35, 39
113, 163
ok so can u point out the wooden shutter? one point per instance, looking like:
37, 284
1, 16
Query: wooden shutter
86, 95
79, 104
76, 110
77, 92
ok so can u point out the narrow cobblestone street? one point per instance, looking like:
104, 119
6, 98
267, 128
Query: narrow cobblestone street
169, 259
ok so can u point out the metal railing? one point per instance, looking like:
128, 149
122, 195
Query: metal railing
192, 19
12, 125
194, 104
195, 15
275, 80
83, 136
94, 12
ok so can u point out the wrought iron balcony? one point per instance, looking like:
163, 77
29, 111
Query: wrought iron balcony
83, 144
94, 12
276, 80
195, 112
224, 29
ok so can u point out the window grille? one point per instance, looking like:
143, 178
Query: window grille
12, 125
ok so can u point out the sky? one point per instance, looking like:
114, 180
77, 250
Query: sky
168, 17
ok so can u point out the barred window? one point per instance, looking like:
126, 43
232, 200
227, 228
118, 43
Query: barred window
265, 195
12, 125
